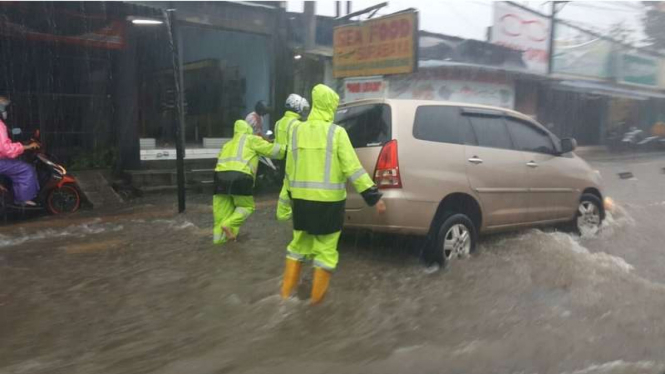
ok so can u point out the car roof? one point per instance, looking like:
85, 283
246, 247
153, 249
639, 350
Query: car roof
417, 103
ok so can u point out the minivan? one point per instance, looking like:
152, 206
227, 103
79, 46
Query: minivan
452, 171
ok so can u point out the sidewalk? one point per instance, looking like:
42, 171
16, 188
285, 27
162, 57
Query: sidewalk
603, 154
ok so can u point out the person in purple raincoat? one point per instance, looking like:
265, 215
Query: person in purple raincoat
22, 174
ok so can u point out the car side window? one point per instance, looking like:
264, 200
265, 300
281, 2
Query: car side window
438, 124
490, 131
467, 132
529, 138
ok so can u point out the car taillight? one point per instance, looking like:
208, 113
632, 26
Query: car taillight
386, 174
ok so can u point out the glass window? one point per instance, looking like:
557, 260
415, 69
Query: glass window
438, 124
367, 125
467, 131
491, 132
529, 138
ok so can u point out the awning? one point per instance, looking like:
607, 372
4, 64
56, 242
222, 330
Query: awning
596, 88
434, 64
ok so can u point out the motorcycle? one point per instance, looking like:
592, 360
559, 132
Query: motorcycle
265, 160
638, 140
269, 175
59, 191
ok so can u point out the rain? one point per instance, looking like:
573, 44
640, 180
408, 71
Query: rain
496, 170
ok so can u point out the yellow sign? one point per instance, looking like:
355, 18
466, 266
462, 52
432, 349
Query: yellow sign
381, 46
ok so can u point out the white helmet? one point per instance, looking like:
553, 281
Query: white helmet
296, 103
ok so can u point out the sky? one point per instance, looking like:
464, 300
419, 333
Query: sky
470, 18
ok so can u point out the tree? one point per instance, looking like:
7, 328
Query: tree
654, 24
622, 33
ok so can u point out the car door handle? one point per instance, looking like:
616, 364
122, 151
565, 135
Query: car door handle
532, 164
476, 160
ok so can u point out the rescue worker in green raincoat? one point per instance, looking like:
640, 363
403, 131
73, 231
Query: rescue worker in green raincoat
295, 107
235, 174
319, 161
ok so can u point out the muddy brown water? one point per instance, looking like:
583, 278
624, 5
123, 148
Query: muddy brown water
141, 290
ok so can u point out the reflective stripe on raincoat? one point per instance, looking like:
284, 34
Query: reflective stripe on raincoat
242, 152
284, 125
321, 158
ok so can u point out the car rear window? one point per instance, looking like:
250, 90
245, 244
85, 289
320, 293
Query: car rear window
439, 124
367, 125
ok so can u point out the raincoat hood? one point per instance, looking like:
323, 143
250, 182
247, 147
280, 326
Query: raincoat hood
242, 128
290, 114
325, 102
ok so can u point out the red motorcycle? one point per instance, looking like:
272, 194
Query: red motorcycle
59, 191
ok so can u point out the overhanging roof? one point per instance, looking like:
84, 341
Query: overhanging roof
597, 88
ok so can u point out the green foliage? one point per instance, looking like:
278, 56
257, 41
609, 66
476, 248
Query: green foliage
100, 158
621, 32
654, 24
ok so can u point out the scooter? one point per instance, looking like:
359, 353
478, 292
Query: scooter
268, 176
59, 191
265, 160
637, 140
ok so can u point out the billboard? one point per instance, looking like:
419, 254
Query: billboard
577, 53
634, 68
519, 29
364, 88
381, 46
462, 91
25, 22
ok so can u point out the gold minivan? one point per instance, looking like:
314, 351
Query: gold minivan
453, 171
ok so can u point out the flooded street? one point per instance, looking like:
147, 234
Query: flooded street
138, 289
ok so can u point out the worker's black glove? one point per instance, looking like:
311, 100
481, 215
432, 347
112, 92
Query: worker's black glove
371, 195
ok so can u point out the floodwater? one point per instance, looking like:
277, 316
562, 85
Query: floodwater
140, 290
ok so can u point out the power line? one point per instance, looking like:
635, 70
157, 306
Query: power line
596, 7
627, 5
590, 26
597, 34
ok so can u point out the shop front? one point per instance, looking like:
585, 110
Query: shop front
457, 84
58, 64
227, 67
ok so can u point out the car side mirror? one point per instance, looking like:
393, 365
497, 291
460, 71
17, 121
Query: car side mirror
16, 131
568, 145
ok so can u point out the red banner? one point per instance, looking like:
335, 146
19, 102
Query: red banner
95, 31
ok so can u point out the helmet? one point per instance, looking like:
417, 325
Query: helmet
296, 103
261, 108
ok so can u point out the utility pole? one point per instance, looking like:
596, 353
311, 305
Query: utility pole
550, 46
310, 25
179, 126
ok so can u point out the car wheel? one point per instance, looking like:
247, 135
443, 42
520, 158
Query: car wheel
589, 215
456, 239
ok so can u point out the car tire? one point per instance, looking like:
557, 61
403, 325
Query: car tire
589, 215
456, 238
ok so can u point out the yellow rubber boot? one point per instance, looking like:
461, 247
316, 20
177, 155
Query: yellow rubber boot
291, 277
320, 285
